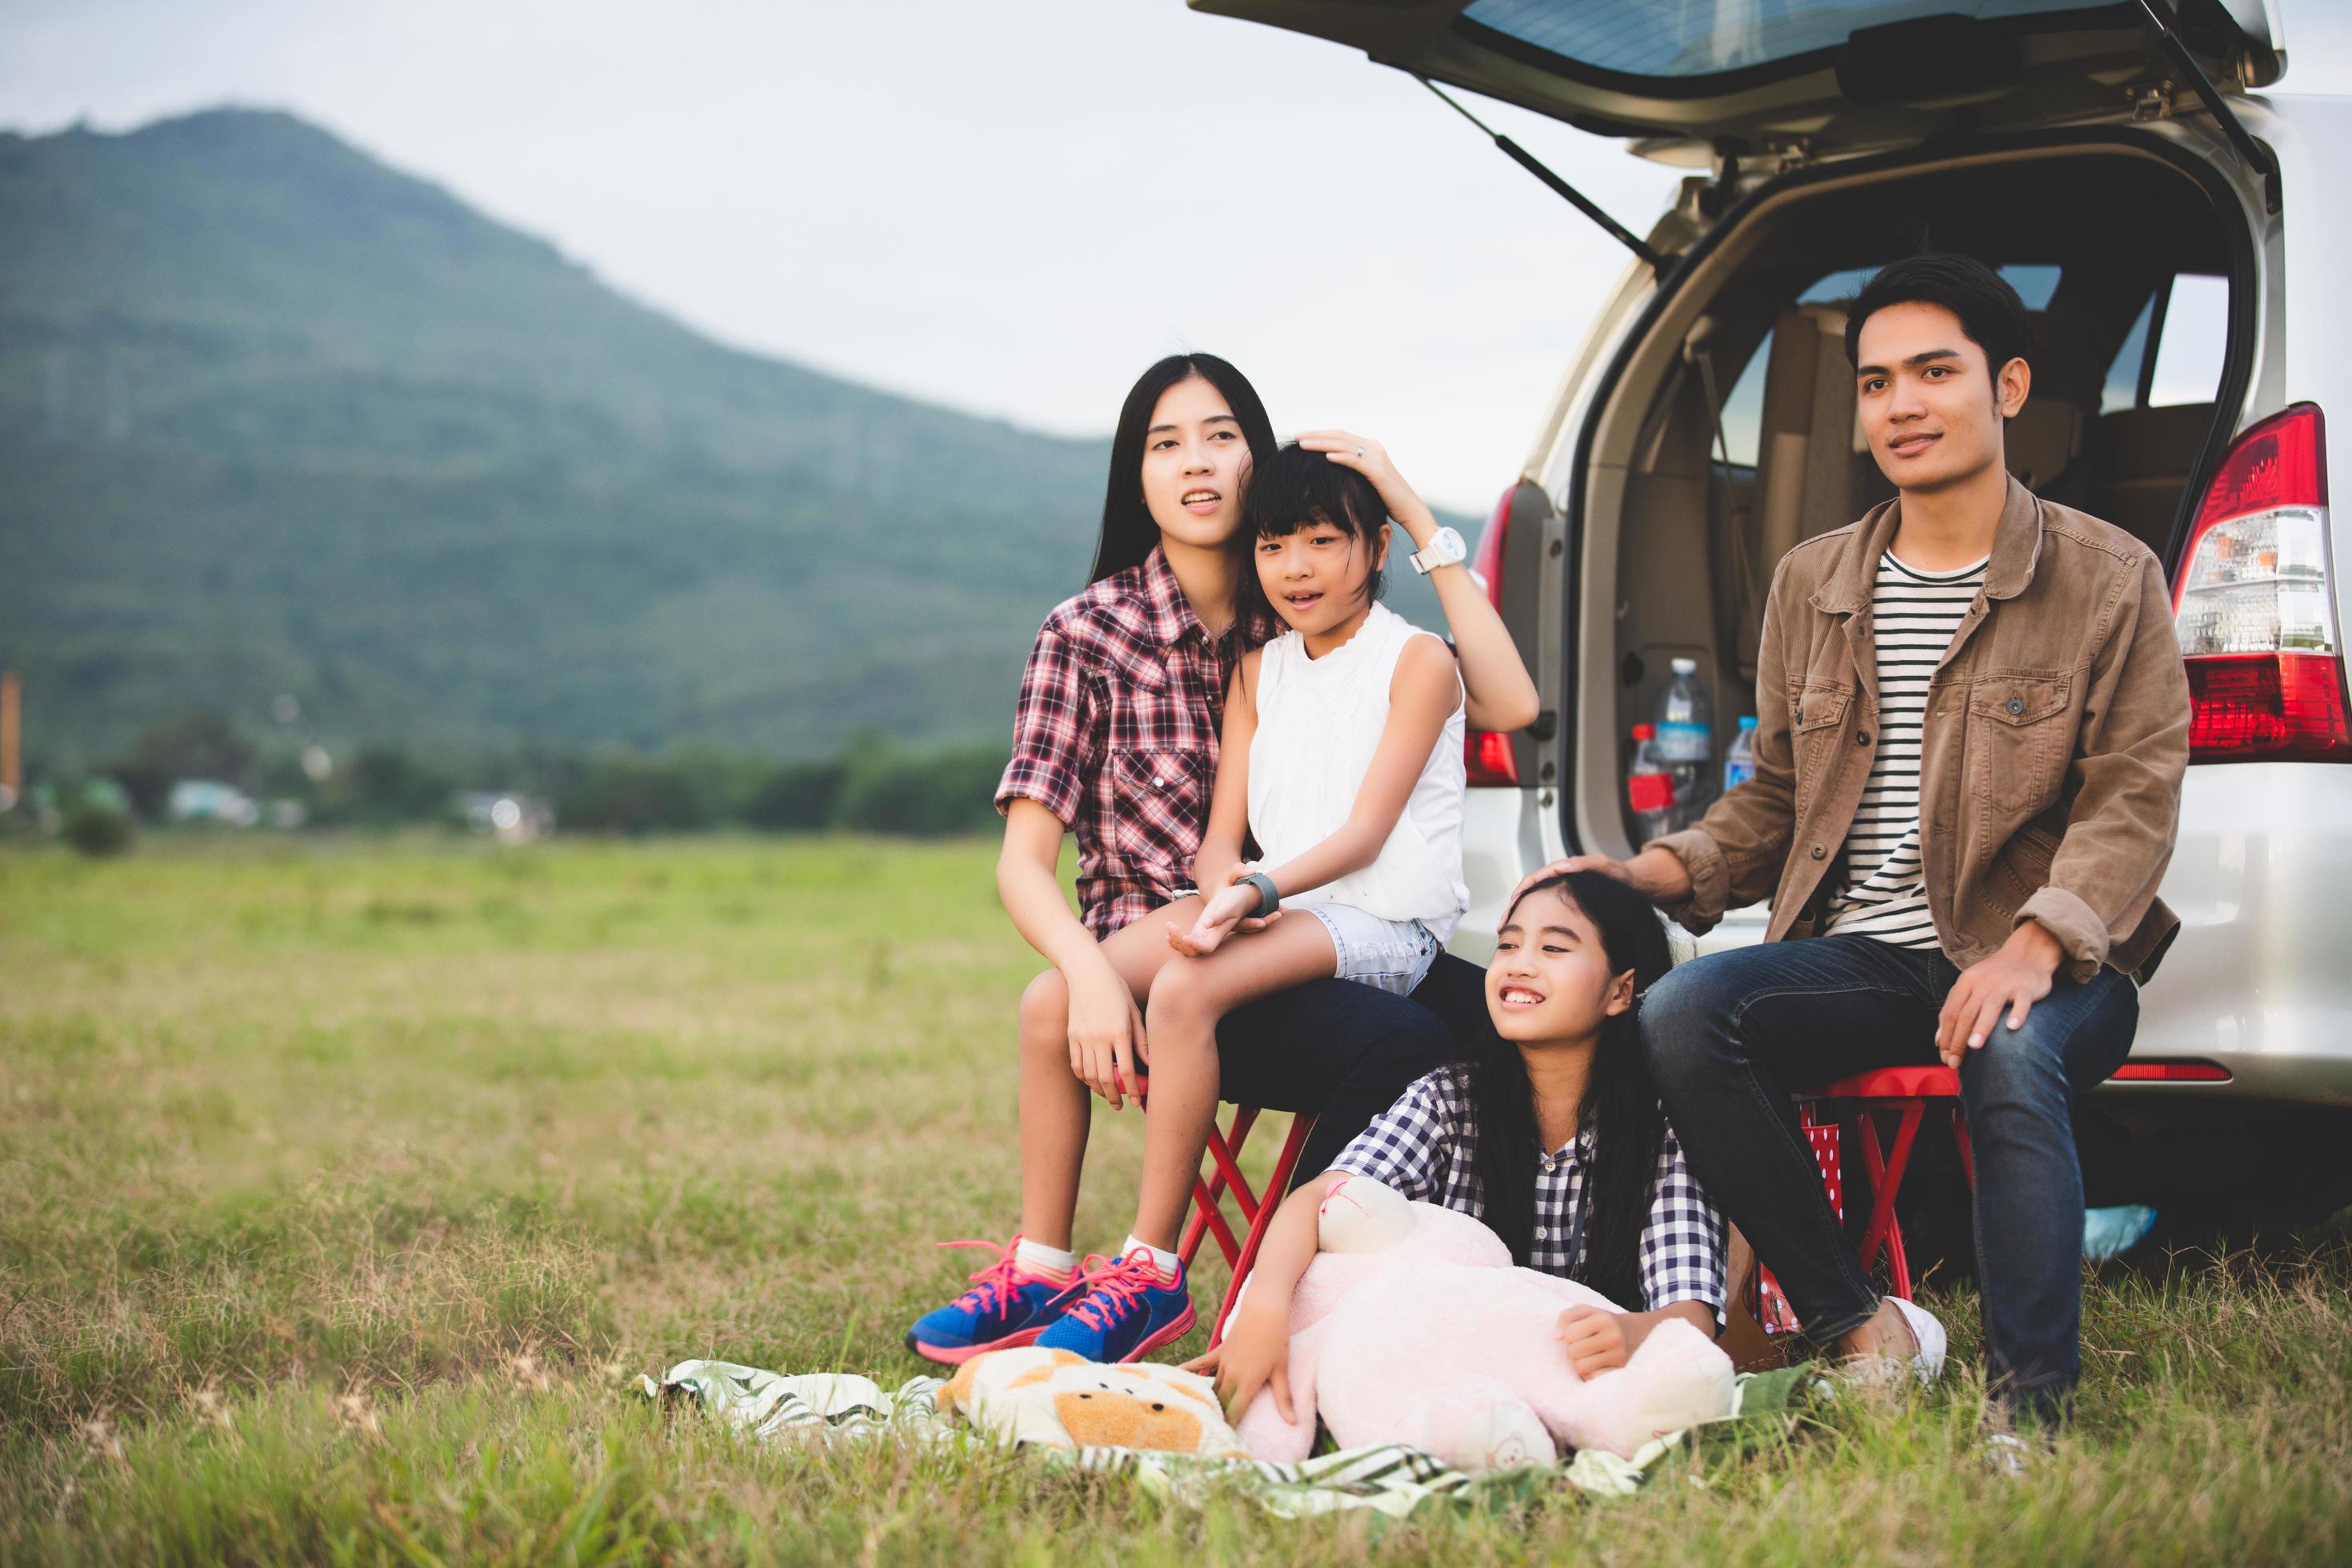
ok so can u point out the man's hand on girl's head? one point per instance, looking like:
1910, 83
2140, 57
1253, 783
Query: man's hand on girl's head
1657, 874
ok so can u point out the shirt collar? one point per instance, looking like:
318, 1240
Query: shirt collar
1168, 614
2016, 548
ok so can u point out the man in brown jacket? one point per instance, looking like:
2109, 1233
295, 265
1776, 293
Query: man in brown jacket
1972, 725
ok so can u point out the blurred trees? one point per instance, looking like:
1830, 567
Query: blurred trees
191, 746
875, 785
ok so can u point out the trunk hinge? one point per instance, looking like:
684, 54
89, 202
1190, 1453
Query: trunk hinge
2256, 155
1576, 198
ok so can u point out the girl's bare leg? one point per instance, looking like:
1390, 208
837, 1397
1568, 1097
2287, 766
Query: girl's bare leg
1053, 1114
1188, 996
1056, 1108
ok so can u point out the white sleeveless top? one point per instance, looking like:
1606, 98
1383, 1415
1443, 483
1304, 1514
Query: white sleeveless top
1318, 722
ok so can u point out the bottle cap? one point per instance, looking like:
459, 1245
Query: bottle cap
1686, 667
1748, 720
1645, 731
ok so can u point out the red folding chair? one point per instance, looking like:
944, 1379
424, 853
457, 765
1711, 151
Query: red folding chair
1906, 1093
1257, 1208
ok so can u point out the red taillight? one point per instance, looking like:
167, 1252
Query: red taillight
2193, 1071
2255, 608
1487, 754
2285, 707
1488, 758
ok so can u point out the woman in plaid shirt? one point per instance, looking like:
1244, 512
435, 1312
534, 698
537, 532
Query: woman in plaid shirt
1551, 1133
1116, 742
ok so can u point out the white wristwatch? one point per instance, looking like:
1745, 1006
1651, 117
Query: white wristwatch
1446, 548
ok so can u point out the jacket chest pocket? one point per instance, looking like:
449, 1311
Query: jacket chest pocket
1816, 722
1159, 806
2019, 739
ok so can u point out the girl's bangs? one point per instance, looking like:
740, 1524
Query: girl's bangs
1298, 489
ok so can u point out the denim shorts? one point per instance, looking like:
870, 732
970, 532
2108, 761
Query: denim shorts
1394, 955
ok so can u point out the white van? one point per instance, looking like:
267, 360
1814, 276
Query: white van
2153, 177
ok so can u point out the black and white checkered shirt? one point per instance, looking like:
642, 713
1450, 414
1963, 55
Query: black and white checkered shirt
1425, 1147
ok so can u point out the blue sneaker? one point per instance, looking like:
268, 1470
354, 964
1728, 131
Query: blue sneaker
1005, 1309
1124, 1314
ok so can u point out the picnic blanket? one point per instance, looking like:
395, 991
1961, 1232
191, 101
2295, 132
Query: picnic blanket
1391, 1479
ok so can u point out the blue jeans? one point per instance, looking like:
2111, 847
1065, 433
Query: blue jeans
1729, 1036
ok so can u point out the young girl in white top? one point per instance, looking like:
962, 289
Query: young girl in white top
1342, 754
1342, 758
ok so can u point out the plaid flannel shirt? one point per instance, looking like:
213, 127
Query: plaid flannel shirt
1121, 705
1425, 1147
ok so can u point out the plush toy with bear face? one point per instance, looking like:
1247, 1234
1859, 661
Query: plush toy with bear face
1412, 1326
1063, 1401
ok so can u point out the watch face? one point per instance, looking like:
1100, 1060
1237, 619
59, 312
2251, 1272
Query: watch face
1445, 549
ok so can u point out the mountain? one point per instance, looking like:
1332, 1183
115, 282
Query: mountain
274, 417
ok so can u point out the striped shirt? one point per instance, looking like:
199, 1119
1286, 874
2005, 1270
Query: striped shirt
1885, 894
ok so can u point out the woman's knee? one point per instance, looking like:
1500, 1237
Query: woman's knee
1180, 998
1044, 1013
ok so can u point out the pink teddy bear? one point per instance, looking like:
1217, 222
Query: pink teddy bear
1412, 1326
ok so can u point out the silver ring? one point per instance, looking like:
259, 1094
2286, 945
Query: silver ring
1359, 451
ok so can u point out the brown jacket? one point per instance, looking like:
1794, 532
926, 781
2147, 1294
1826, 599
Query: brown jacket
2056, 734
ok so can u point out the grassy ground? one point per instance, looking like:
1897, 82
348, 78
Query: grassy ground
342, 1185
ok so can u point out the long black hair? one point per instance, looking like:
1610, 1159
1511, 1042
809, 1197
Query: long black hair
1629, 1129
1127, 532
1296, 488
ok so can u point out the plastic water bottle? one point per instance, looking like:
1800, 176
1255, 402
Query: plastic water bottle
1739, 762
1649, 789
1694, 791
1684, 718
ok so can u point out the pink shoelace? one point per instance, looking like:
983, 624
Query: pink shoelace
1113, 1281
994, 1284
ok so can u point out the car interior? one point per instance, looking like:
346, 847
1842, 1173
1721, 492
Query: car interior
1732, 435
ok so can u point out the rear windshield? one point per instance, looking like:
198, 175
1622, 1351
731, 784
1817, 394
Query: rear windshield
1703, 38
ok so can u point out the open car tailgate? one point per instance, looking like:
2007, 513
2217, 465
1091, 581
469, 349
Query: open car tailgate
1819, 77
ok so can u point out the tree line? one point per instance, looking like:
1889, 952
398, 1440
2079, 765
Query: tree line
873, 785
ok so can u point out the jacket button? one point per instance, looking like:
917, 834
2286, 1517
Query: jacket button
1863, 739
2016, 705
1820, 853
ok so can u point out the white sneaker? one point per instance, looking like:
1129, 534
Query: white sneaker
1928, 1364
2006, 1455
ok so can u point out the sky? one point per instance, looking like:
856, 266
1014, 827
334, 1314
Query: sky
1010, 208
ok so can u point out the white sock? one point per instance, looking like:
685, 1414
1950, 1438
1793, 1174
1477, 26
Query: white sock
1036, 1258
1161, 1259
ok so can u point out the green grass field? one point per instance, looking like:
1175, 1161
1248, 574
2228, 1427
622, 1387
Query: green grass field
343, 1186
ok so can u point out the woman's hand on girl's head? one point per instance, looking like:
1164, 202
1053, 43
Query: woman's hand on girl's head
1369, 458
1255, 1354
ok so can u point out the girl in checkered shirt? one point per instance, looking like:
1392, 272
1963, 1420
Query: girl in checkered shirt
1123, 705
1550, 1133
